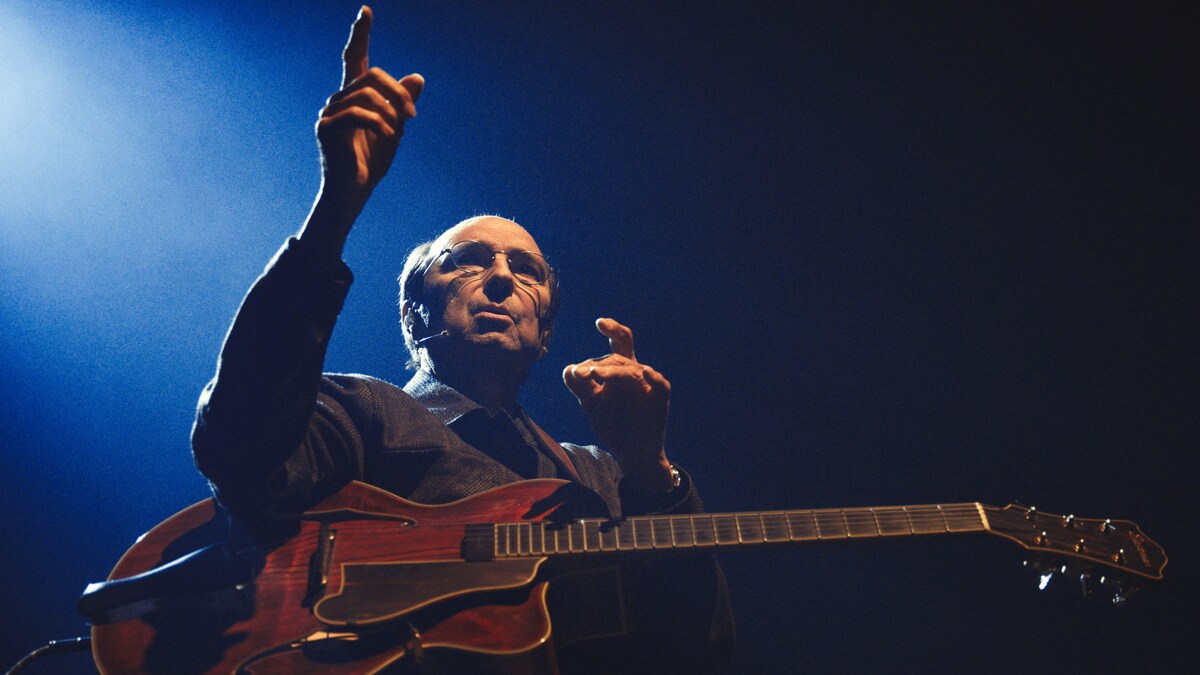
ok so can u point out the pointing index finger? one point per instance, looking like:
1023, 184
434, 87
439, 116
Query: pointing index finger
354, 56
620, 338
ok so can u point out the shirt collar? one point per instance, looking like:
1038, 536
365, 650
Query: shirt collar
444, 401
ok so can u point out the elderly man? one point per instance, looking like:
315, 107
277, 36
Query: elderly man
274, 435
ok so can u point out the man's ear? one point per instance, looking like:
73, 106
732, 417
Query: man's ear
546, 334
410, 316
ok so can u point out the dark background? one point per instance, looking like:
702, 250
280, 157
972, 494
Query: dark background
886, 254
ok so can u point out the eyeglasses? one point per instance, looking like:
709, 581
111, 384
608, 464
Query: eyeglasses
472, 257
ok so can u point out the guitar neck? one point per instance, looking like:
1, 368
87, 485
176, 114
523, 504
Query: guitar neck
719, 530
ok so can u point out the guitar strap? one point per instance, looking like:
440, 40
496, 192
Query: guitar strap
564, 459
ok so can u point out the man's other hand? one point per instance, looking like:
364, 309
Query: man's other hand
627, 404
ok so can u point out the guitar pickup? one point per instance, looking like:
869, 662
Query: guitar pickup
319, 564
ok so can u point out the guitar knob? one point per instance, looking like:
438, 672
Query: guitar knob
1080, 546
1107, 527
1041, 539
1069, 521
1119, 556
1031, 513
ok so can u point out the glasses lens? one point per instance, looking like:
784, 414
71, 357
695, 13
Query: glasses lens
528, 266
471, 256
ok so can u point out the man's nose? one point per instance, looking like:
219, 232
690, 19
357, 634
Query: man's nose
500, 279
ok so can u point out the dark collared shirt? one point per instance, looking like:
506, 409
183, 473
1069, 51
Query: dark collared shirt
510, 439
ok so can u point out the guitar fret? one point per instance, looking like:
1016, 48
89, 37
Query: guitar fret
538, 540
749, 528
681, 533
577, 533
930, 521
968, 519
706, 534
775, 527
608, 536
861, 523
725, 530
660, 531
625, 536
893, 521
927, 520
829, 525
803, 526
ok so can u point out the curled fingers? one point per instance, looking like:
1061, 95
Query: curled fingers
402, 94
367, 98
356, 117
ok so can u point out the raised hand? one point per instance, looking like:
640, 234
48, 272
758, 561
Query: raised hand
626, 403
361, 125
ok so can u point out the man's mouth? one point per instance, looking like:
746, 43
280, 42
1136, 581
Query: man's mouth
494, 313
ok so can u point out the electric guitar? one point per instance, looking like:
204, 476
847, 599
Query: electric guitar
370, 579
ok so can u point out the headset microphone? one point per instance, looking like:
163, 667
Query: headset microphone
442, 334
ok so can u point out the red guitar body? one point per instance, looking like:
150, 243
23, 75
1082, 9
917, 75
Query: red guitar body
369, 580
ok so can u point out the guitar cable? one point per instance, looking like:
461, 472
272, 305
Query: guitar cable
67, 646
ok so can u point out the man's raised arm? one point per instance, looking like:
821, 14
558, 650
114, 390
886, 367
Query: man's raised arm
260, 412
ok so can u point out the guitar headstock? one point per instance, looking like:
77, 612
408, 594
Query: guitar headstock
1063, 543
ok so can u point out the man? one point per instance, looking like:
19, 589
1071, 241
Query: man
274, 435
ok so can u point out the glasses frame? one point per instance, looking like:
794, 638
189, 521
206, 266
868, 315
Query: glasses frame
550, 271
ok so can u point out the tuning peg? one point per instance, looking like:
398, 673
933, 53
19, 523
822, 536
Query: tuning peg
1123, 594
1045, 580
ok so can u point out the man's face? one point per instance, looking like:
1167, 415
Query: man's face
493, 308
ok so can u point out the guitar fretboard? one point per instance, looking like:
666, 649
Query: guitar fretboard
706, 530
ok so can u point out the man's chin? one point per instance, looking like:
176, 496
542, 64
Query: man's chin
496, 341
